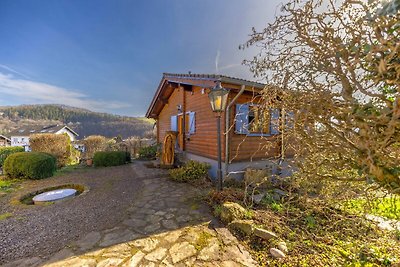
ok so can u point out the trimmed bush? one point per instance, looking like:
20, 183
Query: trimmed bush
58, 145
192, 170
148, 152
6, 151
109, 158
30, 165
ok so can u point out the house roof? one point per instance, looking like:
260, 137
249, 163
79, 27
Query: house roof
5, 137
202, 80
29, 130
214, 77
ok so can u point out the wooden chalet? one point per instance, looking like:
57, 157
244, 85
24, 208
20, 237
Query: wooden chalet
181, 104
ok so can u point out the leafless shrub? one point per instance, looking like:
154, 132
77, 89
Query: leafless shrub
335, 65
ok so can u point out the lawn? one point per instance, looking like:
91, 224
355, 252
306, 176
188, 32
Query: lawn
70, 168
7, 186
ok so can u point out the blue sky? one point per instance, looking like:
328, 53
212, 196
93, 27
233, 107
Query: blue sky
110, 55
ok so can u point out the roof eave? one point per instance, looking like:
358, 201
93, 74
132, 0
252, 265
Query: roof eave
224, 79
154, 100
69, 129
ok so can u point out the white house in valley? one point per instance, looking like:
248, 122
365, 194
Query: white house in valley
20, 137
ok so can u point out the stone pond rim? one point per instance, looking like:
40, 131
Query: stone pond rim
28, 199
54, 195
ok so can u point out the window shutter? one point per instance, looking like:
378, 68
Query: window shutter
289, 122
274, 121
242, 119
174, 123
192, 122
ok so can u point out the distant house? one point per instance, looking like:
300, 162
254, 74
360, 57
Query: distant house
20, 137
4, 141
179, 94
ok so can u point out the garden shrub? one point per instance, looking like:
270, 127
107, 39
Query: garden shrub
30, 165
192, 170
93, 144
109, 158
58, 145
6, 151
148, 152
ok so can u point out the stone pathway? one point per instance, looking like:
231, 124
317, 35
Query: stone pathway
168, 226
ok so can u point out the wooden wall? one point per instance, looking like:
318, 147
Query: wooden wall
245, 148
170, 109
204, 141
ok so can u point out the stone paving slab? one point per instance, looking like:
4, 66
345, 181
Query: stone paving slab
162, 228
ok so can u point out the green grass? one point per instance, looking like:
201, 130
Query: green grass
68, 169
270, 202
388, 207
7, 186
5, 216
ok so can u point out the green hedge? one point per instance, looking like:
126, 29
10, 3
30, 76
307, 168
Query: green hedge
110, 158
30, 165
6, 151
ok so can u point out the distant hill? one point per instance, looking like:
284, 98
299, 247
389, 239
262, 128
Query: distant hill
83, 121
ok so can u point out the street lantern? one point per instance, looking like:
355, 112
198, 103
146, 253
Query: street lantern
218, 97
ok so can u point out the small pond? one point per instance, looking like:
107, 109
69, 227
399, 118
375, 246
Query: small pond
52, 194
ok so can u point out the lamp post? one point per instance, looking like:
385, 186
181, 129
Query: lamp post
218, 97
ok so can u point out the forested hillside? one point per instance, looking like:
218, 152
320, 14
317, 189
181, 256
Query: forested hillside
84, 122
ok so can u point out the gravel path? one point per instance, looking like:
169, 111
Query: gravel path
163, 223
43, 230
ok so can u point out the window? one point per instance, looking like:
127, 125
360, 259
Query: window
190, 123
256, 120
174, 123
259, 120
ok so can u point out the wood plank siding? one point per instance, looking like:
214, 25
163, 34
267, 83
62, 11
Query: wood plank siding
245, 148
190, 92
204, 140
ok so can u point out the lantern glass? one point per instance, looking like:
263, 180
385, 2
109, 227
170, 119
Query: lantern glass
218, 97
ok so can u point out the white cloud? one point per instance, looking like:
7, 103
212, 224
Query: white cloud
14, 71
217, 61
31, 92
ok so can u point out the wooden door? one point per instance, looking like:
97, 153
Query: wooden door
183, 128
180, 132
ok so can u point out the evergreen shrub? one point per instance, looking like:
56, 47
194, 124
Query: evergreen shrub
110, 158
30, 165
6, 151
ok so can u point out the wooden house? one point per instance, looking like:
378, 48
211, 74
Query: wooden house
181, 104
